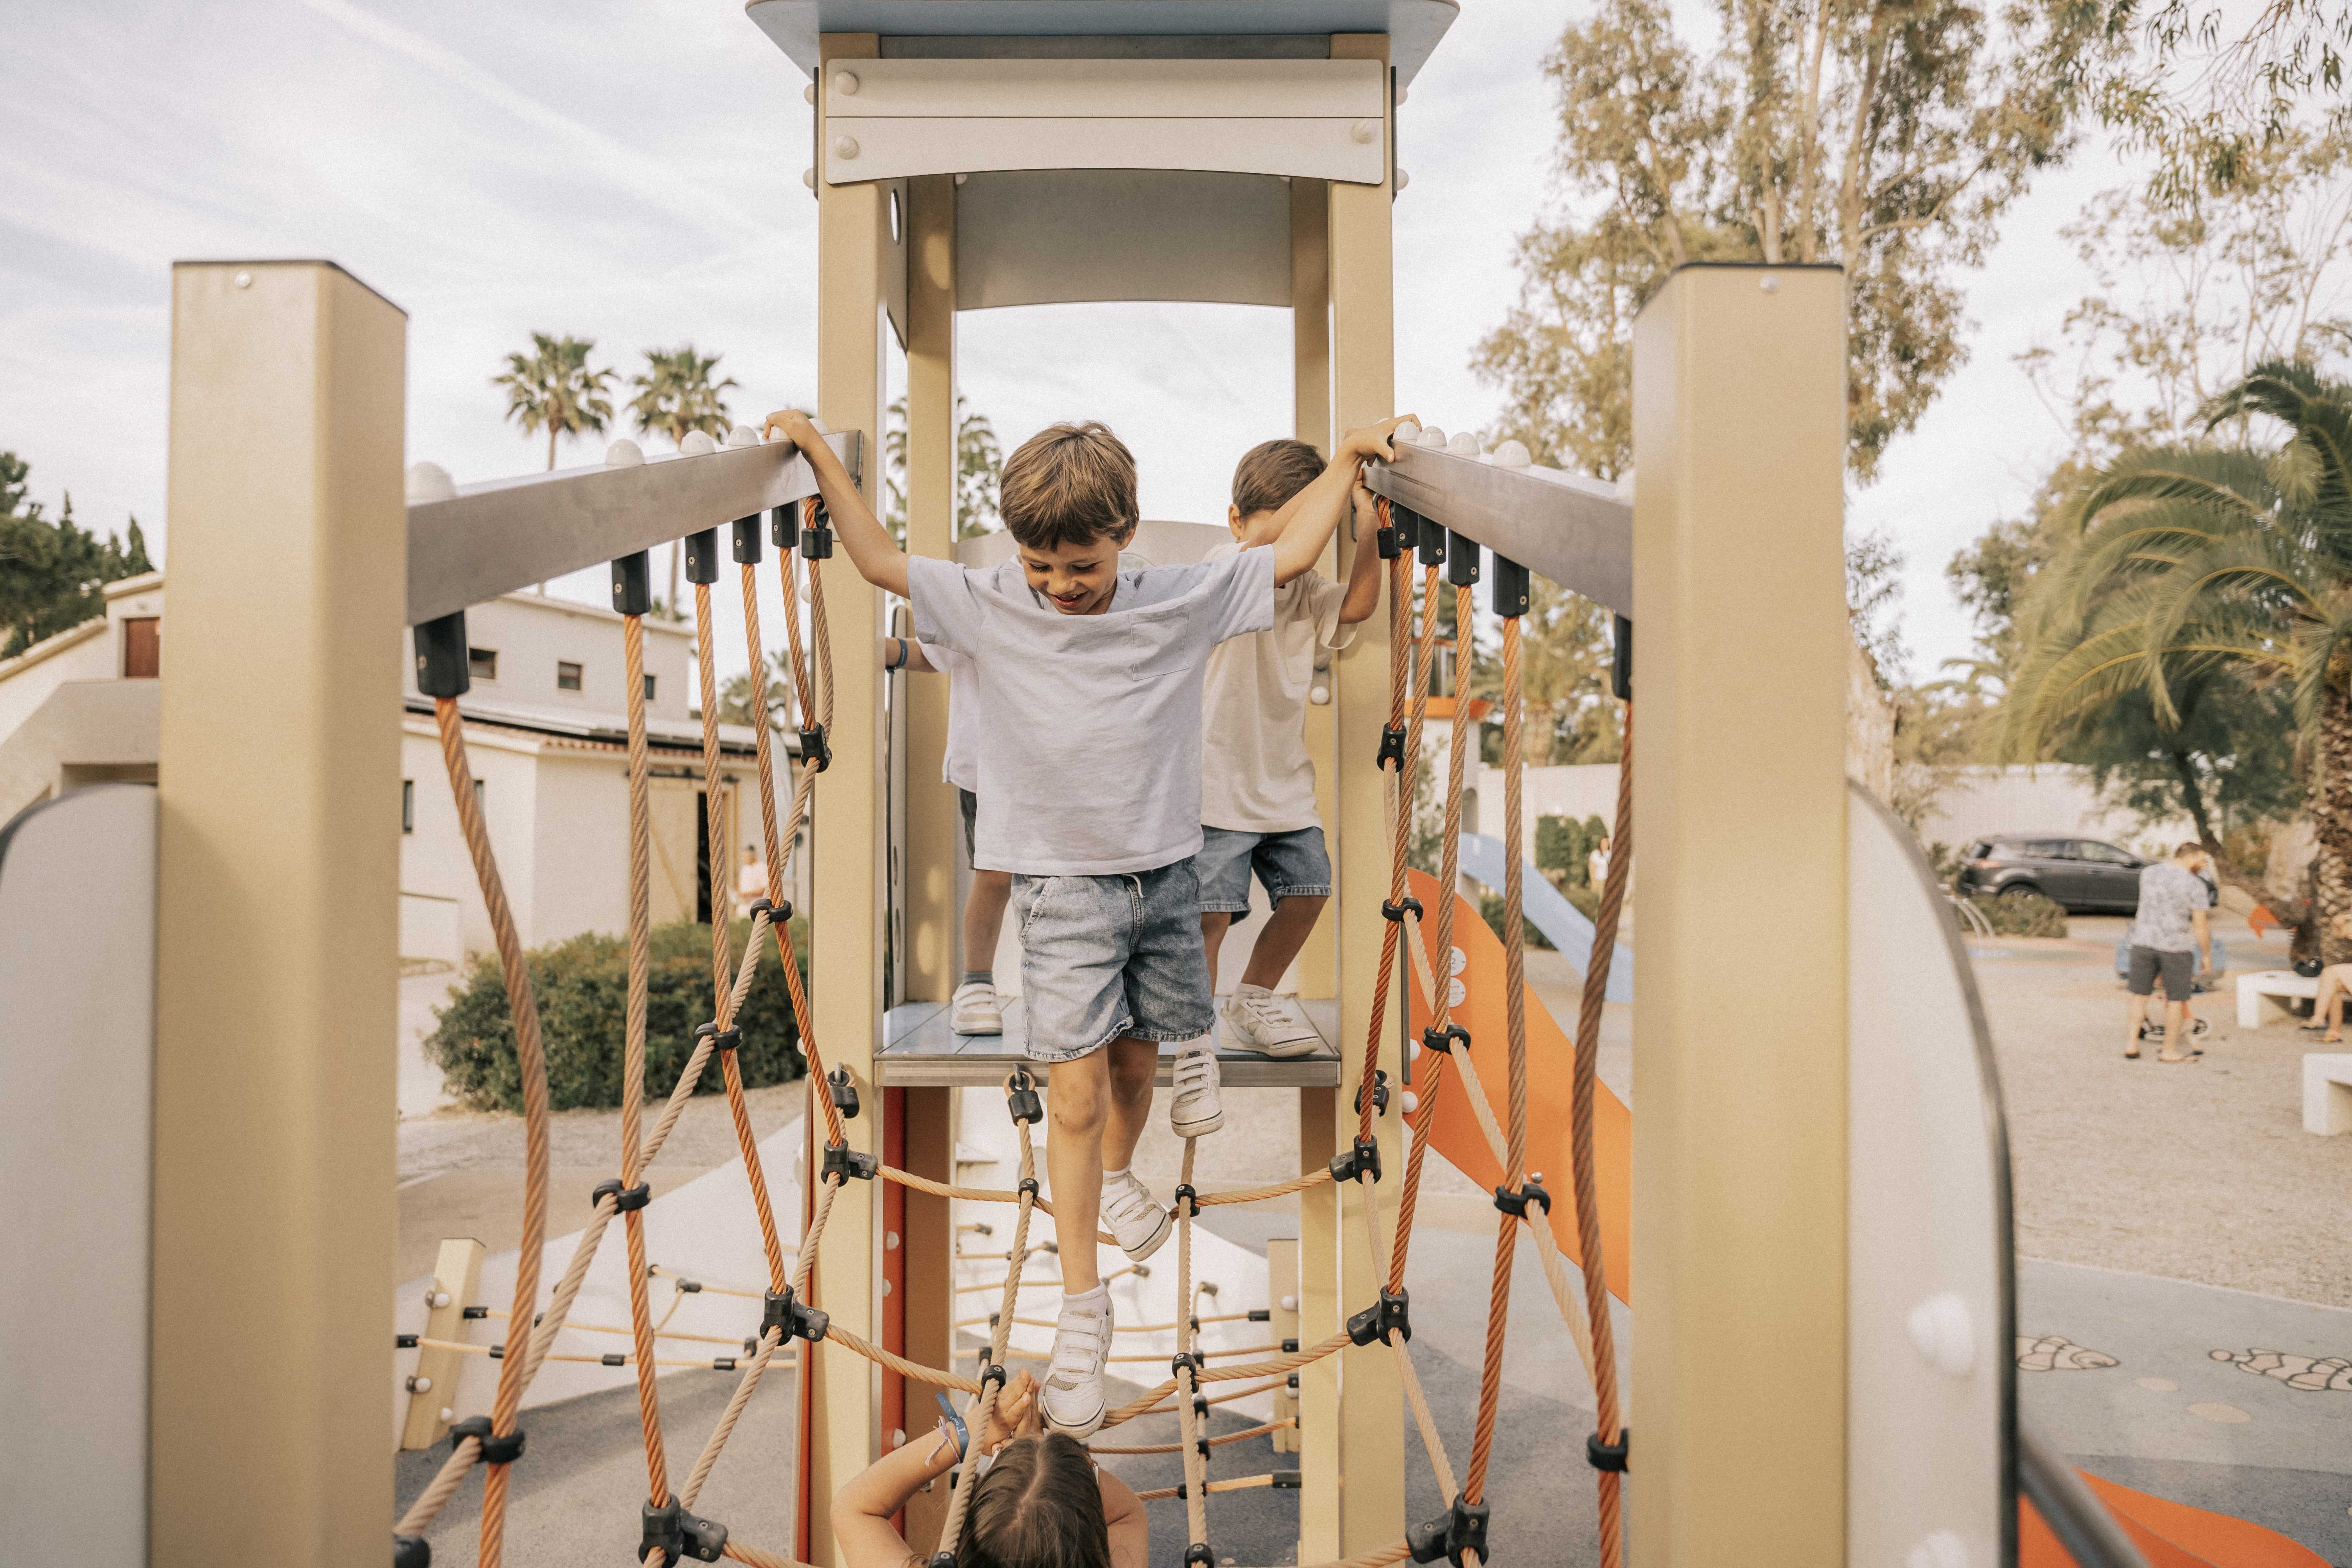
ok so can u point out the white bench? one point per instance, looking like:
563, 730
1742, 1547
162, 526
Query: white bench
2266, 988
2327, 1093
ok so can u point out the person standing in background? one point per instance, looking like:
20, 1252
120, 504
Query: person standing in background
2171, 933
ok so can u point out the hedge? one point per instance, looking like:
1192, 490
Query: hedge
2022, 914
582, 986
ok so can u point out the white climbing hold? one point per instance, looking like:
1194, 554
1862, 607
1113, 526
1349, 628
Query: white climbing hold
697, 444
1290, 1303
808, 178
1455, 994
1431, 435
1942, 1332
623, 454
845, 83
808, 93
806, 599
430, 481
436, 1300
1319, 695
844, 147
420, 1384
1463, 445
1408, 431
1412, 1102
1457, 961
1512, 455
743, 436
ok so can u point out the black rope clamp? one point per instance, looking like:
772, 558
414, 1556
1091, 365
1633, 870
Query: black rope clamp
1391, 747
1609, 1456
1185, 1199
1200, 1552
1436, 1039
843, 1161
403, 1342
1201, 1404
1393, 1313
777, 913
1515, 1203
1183, 1362
1029, 1187
410, 1551
1460, 1529
625, 1199
615, 1358
816, 532
815, 750
496, 1450
1398, 910
672, 1533
1379, 1094
1363, 1158
1392, 547
845, 1092
720, 1039
795, 1318
992, 1372
944, 1558
1020, 1098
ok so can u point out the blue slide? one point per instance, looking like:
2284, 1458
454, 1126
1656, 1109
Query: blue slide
1560, 921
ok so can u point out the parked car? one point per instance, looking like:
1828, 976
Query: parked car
2086, 876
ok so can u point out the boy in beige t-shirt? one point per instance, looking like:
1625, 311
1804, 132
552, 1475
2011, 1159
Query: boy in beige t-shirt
1257, 785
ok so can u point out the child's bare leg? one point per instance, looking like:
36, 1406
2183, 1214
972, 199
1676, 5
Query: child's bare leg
1284, 935
1132, 1065
2176, 1028
2135, 1016
1215, 923
1078, 1095
983, 918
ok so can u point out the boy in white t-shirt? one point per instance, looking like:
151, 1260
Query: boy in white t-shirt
1089, 769
1257, 785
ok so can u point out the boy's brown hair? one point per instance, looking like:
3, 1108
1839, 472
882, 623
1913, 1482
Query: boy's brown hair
1271, 472
1069, 484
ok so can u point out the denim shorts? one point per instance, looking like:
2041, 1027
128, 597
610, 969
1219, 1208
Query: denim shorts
1103, 957
1288, 864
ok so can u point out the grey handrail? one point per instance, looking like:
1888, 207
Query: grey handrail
1562, 526
2073, 1512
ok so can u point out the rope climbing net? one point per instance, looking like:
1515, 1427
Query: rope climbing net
670, 1529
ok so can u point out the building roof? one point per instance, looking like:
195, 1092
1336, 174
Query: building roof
56, 643
1413, 25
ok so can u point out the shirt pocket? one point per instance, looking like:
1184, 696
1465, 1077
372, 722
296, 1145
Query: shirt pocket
1160, 645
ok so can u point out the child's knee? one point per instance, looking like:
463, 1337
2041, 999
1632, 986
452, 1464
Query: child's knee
1079, 1097
1132, 1072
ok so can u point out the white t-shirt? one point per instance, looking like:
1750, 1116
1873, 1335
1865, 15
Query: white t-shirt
1088, 732
961, 767
1256, 775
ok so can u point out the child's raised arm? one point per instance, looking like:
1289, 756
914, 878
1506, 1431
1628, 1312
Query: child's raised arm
1364, 572
878, 560
1309, 517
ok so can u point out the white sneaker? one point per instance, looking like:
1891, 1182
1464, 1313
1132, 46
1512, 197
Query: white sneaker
1138, 1221
1258, 1020
1071, 1399
975, 1010
1195, 1110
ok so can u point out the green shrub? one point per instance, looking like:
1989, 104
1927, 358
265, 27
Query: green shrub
582, 986
1563, 844
1491, 906
2022, 914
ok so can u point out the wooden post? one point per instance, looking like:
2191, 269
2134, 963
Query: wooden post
1282, 1320
457, 1277
1311, 396
933, 824
927, 1240
854, 251
1370, 1439
1739, 1174
277, 931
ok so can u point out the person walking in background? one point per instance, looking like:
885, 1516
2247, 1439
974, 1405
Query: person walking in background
2169, 935
1596, 865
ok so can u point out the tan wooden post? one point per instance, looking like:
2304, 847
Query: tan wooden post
1739, 1174
277, 939
456, 1276
1370, 1459
1311, 396
853, 248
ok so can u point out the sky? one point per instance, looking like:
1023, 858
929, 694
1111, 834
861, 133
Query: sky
633, 176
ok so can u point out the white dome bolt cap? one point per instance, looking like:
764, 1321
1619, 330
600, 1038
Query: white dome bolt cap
1944, 1334
1512, 455
697, 444
430, 481
1463, 445
623, 454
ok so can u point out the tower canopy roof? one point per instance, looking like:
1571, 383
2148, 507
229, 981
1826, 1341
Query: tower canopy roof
1242, 28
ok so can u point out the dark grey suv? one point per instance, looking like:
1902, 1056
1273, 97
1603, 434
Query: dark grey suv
2086, 876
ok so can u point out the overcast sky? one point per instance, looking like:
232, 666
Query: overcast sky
631, 172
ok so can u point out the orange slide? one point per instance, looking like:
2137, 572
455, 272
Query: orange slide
2168, 1534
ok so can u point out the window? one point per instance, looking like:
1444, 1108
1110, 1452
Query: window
649, 689
2102, 853
567, 675
482, 663
143, 648
408, 806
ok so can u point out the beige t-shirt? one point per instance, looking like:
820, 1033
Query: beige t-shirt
1255, 772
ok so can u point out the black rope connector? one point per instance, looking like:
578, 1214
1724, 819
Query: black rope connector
1290, 1347
1186, 1198
1515, 1203
1429, 536
410, 1551
1391, 545
777, 913
1621, 661
816, 532
632, 587
615, 1358
1361, 1160
625, 1199
784, 525
794, 1318
722, 1363
1408, 524
743, 541
1393, 1313
845, 1092
1201, 1443
720, 1039
496, 1450
1183, 1362
992, 1372
1391, 747
1460, 1529
1201, 1406
1379, 1093
843, 1161
485, 1311
816, 751
702, 557
944, 1558
1029, 1187
1509, 585
1397, 912
685, 1287
1436, 1039
1260, 1314
1199, 1553
1022, 1101
1609, 1456
403, 1342
671, 1532
442, 670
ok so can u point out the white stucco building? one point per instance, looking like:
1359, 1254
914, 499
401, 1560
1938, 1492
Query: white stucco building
546, 738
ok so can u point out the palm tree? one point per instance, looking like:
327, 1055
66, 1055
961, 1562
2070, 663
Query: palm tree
980, 460
676, 397
554, 388
2186, 563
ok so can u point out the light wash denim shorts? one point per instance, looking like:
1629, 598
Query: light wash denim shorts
1293, 865
1103, 957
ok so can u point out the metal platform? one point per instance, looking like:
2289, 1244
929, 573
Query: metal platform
918, 1050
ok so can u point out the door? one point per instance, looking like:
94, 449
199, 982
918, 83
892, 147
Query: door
2111, 875
2057, 871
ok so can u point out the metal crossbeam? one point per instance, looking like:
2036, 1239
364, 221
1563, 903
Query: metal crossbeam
493, 538
1563, 526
